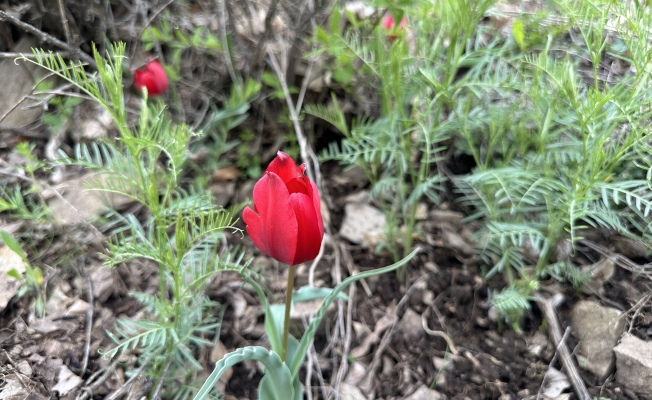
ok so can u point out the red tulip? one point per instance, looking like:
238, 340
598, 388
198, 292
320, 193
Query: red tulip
286, 222
388, 24
153, 77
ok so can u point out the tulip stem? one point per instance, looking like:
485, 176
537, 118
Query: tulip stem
288, 304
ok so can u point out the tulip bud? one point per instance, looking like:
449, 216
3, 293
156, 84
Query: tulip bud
388, 24
152, 77
286, 222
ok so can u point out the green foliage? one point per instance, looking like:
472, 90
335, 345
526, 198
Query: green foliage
32, 283
179, 41
19, 202
557, 147
63, 108
20, 205
181, 232
399, 148
281, 380
233, 113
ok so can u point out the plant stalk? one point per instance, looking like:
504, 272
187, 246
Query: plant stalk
288, 304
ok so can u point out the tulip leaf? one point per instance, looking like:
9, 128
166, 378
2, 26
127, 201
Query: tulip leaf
276, 314
309, 293
264, 386
279, 385
309, 335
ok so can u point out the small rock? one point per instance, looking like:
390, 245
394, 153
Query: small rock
388, 366
104, 282
94, 128
556, 382
410, 325
601, 272
66, 381
363, 224
634, 364
452, 217
421, 212
350, 392
432, 267
598, 329
477, 379
361, 197
442, 364
225, 174
457, 243
423, 393
357, 371
537, 343
24, 368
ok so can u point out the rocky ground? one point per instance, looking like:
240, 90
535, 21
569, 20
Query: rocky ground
433, 336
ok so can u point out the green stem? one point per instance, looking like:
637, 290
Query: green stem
288, 304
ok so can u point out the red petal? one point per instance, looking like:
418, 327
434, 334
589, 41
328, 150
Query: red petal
310, 232
285, 167
298, 185
255, 229
388, 22
275, 229
317, 204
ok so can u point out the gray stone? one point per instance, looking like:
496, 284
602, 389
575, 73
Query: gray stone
423, 393
598, 328
410, 325
351, 392
363, 224
634, 364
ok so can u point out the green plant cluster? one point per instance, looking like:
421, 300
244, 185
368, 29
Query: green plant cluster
558, 142
180, 235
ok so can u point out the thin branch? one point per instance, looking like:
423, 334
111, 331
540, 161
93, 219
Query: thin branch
44, 37
301, 138
64, 54
64, 21
260, 47
128, 384
89, 325
225, 42
553, 361
547, 306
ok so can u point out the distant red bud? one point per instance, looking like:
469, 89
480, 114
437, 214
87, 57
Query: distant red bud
388, 24
153, 77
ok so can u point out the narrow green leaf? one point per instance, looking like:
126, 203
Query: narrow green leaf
12, 244
309, 335
281, 386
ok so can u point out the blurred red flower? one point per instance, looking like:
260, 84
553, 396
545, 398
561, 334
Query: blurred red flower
153, 77
388, 24
286, 222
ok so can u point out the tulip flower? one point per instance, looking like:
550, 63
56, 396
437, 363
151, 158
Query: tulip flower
152, 77
286, 222
388, 24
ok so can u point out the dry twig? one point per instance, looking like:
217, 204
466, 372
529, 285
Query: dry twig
89, 325
44, 37
553, 361
547, 306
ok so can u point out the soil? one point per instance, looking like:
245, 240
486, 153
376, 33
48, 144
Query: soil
443, 294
